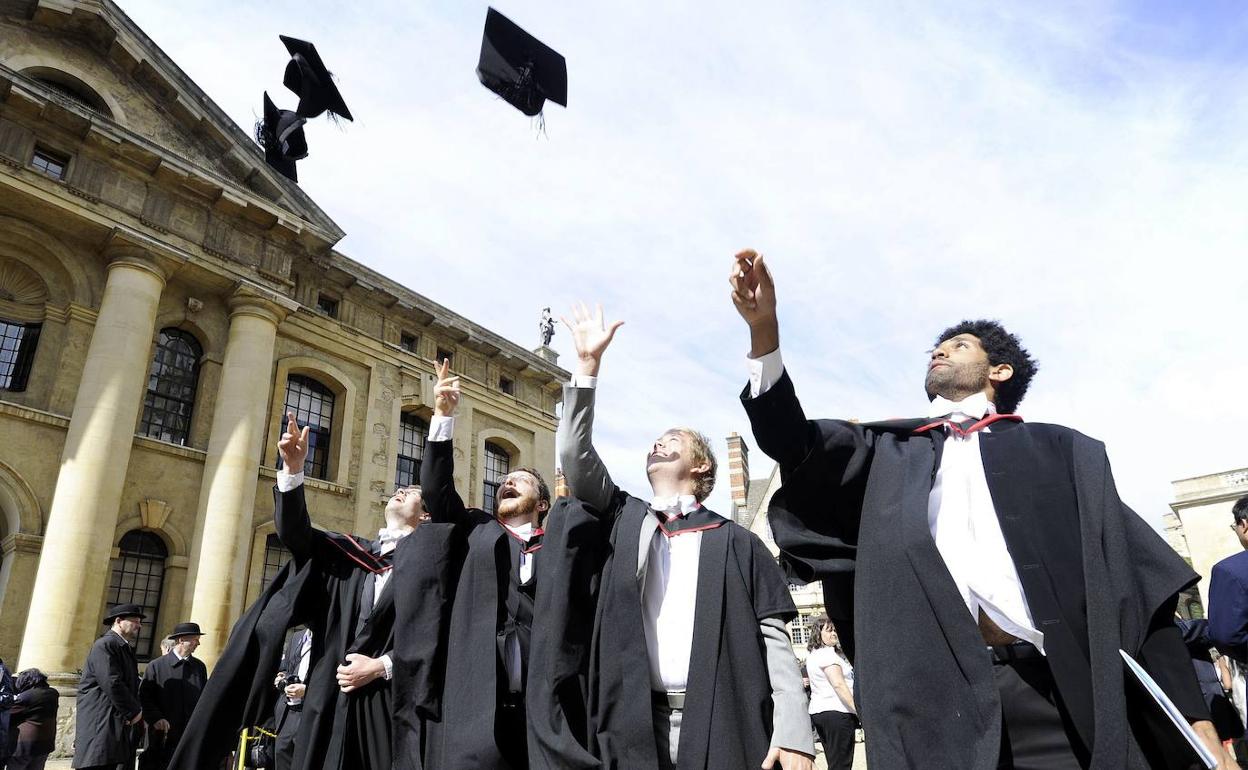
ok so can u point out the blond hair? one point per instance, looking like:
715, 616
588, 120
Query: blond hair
700, 453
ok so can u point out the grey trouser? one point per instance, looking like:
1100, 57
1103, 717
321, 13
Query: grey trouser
667, 734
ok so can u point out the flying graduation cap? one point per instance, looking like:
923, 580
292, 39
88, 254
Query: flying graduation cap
281, 136
521, 69
307, 76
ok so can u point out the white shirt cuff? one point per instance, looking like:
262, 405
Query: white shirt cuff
388, 665
584, 381
441, 428
765, 371
288, 481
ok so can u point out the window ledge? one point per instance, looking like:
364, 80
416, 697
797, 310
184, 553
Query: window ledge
170, 448
342, 490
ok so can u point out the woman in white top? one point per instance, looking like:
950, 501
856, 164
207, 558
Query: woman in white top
831, 695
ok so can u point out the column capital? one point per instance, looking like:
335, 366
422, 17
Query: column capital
132, 249
250, 299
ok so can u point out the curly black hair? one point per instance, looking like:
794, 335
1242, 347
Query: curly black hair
1002, 348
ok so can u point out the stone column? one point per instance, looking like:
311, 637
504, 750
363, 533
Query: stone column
65, 603
223, 524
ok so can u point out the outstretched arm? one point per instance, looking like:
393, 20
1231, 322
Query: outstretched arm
290, 510
583, 469
437, 468
775, 414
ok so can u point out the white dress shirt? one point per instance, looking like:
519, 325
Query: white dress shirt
960, 514
301, 668
514, 665
668, 570
669, 594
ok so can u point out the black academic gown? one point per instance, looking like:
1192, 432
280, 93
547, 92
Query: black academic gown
852, 511
590, 702
108, 698
323, 588
487, 601
169, 690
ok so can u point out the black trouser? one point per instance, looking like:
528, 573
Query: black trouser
836, 733
1036, 730
511, 730
284, 744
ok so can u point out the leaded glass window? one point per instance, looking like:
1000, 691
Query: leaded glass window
412, 434
17, 353
138, 577
497, 466
313, 405
171, 387
275, 557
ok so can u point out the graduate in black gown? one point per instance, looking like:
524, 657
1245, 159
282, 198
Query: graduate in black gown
690, 664
339, 587
984, 568
493, 557
170, 689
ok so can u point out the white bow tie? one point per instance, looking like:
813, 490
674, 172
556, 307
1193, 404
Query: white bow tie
975, 406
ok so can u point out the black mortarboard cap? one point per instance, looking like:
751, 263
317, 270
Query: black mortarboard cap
281, 135
521, 69
308, 78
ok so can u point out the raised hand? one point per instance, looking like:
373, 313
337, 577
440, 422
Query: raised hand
446, 392
754, 295
293, 446
591, 335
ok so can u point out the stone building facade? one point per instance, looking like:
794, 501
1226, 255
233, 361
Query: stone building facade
165, 297
1202, 518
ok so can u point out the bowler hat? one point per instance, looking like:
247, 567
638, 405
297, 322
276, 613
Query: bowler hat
185, 629
124, 611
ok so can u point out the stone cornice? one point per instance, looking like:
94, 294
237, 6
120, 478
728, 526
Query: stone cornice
21, 542
121, 40
250, 299
34, 415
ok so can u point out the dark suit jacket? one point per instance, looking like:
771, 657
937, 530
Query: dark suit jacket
853, 512
1228, 606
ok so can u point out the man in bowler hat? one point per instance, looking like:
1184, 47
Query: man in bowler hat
171, 687
109, 710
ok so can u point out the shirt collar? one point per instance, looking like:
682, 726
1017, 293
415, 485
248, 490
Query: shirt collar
523, 531
388, 539
974, 407
176, 655
675, 505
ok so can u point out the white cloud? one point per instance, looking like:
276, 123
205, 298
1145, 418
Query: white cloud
1076, 170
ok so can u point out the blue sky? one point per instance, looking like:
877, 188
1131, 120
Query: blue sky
1074, 169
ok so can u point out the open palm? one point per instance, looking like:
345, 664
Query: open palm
591, 334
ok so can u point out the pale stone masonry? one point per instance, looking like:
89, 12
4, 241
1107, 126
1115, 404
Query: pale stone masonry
1203, 508
131, 209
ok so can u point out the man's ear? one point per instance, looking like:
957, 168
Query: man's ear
543, 506
1000, 373
700, 470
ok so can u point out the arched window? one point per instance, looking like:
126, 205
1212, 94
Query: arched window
70, 87
171, 387
275, 557
139, 577
497, 466
313, 405
412, 434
